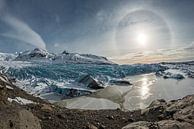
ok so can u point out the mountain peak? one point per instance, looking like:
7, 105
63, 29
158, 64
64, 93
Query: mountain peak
38, 54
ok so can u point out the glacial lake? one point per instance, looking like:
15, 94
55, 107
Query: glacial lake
145, 89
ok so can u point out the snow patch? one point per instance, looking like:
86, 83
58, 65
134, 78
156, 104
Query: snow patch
3, 79
9, 87
21, 101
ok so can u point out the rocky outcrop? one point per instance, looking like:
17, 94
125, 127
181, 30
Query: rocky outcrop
17, 118
174, 124
165, 124
90, 82
12, 115
175, 114
141, 125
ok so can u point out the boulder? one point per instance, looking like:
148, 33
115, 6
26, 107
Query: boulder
173, 124
181, 103
158, 102
164, 124
154, 113
141, 125
91, 126
185, 114
15, 118
90, 82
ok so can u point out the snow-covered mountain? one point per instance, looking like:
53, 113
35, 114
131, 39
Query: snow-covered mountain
36, 54
65, 57
7, 56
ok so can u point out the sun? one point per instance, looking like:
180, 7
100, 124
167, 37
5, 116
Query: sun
142, 39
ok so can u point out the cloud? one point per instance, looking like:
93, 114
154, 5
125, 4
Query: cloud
159, 55
189, 47
2, 6
21, 31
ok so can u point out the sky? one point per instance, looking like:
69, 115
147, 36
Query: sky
125, 31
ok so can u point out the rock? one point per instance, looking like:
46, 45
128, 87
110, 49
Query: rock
1, 87
120, 82
110, 117
13, 118
172, 124
185, 114
46, 107
158, 102
91, 126
165, 124
60, 116
90, 82
3, 95
102, 127
181, 104
154, 113
141, 125
65, 52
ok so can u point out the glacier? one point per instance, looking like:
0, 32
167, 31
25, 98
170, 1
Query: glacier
41, 78
47, 74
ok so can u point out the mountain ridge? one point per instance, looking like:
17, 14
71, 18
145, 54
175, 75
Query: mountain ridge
38, 54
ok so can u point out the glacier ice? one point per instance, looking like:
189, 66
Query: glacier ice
39, 72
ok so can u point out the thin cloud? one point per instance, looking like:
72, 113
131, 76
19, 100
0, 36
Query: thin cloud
160, 55
21, 31
189, 47
2, 6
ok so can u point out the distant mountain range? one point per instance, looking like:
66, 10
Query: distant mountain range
41, 55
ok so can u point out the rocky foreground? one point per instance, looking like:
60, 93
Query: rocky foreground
19, 110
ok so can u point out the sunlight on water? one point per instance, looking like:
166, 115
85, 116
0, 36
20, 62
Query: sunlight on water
145, 87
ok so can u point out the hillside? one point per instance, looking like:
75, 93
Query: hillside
20, 110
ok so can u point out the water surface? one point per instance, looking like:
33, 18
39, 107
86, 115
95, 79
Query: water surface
144, 90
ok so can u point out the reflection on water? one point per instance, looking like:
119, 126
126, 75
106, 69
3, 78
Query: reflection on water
144, 90
145, 86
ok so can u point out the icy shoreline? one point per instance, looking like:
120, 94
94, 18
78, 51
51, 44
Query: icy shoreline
59, 81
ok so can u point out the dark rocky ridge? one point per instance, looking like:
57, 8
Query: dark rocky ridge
176, 114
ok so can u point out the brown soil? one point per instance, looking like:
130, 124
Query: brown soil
53, 117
